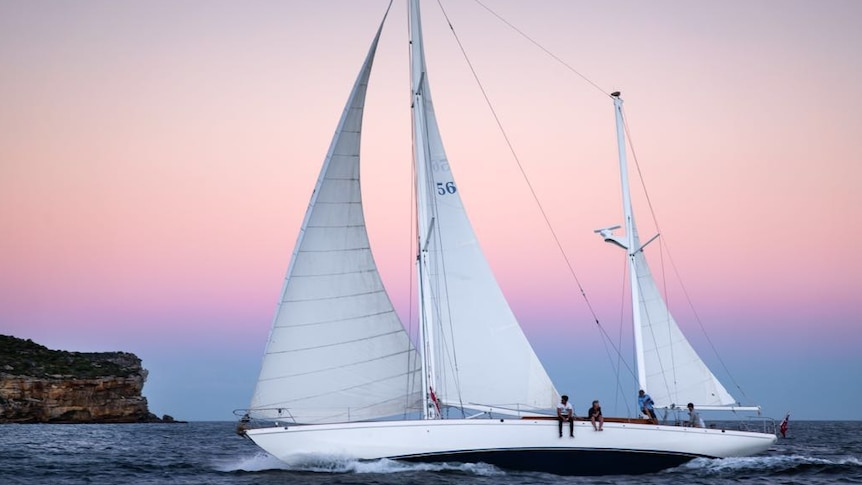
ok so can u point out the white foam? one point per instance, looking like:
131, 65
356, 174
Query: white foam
761, 463
391, 466
256, 463
335, 464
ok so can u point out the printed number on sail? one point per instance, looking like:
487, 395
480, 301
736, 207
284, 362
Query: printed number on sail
447, 188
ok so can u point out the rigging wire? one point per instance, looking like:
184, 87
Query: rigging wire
620, 359
673, 264
662, 251
637, 165
606, 338
520, 166
546, 51
667, 315
447, 352
535, 196
413, 235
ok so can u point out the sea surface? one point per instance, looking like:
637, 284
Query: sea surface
815, 452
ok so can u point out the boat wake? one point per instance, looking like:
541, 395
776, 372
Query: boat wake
261, 462
705, 467
777, 465
255, 463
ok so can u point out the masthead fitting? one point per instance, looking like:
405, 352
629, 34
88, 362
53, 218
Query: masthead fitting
615, 94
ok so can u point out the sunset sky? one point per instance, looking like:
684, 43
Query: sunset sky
156, 160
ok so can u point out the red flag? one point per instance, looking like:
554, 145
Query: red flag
434, 400
783, 426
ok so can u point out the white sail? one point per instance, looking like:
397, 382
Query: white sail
337, 350
478, 354
669, 369
675, 374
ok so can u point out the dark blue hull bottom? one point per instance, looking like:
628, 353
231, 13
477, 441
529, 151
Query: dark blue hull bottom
564, 462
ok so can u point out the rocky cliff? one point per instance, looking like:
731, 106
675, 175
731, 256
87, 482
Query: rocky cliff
39, 385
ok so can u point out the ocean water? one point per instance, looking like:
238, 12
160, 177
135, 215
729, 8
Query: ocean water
815, 452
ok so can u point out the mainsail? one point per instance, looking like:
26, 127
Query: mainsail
337, 350
476, 353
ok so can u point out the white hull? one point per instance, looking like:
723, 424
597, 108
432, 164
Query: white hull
524, 444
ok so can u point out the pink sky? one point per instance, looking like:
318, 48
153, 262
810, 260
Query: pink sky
156, 160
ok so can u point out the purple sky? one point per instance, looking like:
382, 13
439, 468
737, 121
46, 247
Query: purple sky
156, 159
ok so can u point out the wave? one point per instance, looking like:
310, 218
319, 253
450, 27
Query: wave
333, 464
783, 464
256, 463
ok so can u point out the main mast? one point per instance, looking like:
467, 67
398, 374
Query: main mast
424, 217
465, 319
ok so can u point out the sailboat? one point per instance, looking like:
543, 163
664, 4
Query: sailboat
342, 378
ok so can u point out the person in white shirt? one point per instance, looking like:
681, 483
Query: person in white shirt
565, 412
694, 419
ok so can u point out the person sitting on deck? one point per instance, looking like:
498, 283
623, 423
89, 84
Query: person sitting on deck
565, 412
595, 414
694, 419
646, 405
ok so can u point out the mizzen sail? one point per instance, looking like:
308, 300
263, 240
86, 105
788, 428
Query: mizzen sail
668, 367
675, 374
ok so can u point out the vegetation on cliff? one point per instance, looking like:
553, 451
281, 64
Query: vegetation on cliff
40, 385
26, 358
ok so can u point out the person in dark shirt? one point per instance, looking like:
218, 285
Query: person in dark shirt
595, 414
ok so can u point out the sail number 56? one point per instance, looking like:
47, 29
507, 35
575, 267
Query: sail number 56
447, 188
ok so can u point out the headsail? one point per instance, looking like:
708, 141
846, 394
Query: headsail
480, 354
337, 350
